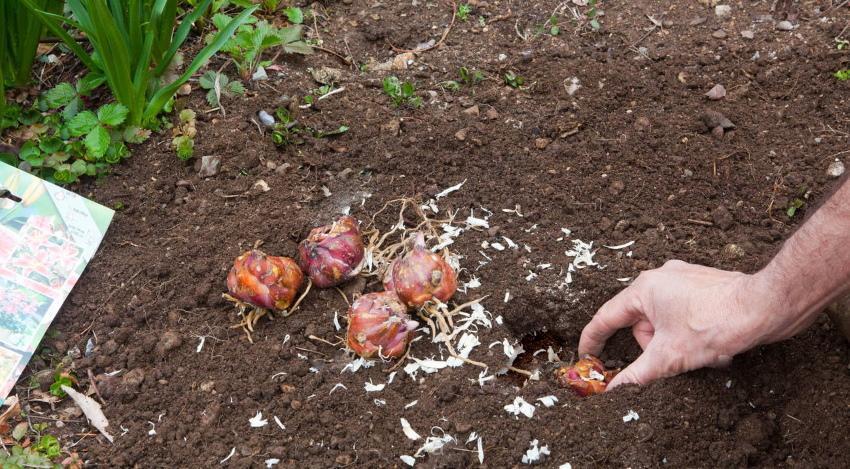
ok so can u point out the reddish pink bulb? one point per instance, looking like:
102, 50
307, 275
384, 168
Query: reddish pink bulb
378, 325
264, 281
586, 377
332, 254
420, 276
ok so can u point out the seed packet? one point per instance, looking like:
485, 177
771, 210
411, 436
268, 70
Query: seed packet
47, 237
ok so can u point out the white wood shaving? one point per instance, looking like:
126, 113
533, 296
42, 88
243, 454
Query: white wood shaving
620, 246
531, 276
203, 339
535, 454
279, 423
356, 364
152, 431
313, 369
336, 320
337, 386
480, 451
232, 452
507, 296
91, 409
551, 356
391, 377
497, 246
566, 231
548, 401
532, 228
632, 415
510, 242
472, 436
434, 444
409, 460
483, 378
408, 430
380, 402
624, 279
411, 404
527, 247
258, 421
473, 222
371, 387
326, 191
566, 465
449, 190
285, 339
520, 406
500, 320
271, 462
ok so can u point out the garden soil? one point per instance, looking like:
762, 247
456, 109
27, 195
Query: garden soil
607, 138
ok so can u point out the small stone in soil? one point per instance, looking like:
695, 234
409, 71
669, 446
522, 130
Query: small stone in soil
169, 341
785, 26
836, 169
542, 143
461, 134
719, 34
733, 251
209, 166
747, 34
265, 118
716, 93
723, 11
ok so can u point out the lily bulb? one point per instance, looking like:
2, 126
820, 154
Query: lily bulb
378, 325
420, 276
586, 377
332, 254
263, 281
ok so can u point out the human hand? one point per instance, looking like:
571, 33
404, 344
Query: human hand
686, 317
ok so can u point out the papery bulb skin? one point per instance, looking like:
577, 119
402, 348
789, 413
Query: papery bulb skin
420, 276
332, 254
378, 326
586, 377
264, 281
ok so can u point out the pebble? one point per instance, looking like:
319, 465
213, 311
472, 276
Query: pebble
169, 341
461, 134
733, 251
716, 93
266, 118
542, 143
719, 34
209, 166
785, 25
836, 169
723, 11
722, 217
747, 34
474, 111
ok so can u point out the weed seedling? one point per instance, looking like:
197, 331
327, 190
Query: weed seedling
286, 130
219, 85
463, 11
470, 77
62, 378
842, 75
513, 80
593, 15
184, 135
401, 92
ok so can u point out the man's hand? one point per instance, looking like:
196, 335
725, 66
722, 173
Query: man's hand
687, 317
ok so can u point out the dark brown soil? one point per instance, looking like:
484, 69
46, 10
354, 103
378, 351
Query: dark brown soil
641, 166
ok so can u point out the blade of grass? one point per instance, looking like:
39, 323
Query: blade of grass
180, 36
54, 23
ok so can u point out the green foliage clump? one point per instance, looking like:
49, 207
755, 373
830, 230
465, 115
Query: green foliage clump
255, 37
401, 93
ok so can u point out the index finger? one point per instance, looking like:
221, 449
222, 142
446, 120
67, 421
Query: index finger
619, 312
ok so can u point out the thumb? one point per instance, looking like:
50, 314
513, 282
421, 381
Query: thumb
649, 366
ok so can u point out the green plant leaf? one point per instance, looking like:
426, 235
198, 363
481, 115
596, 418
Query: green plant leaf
50, 144
207, 80
48, 445
90, 82
78, 168
29, 151
19, 431
184, 146
212, 98
60, 95
97, 141
112, 114
236, 88
294, 15
82, 123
